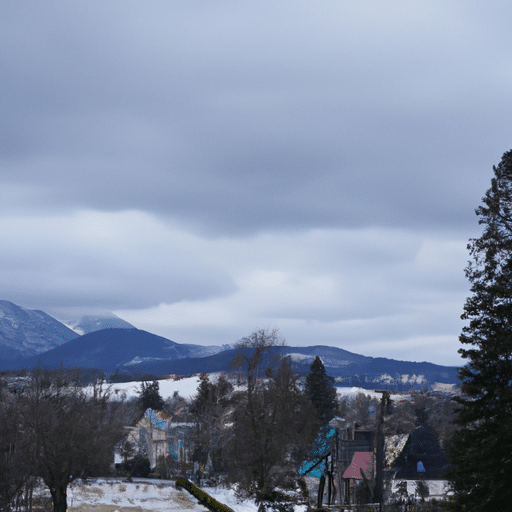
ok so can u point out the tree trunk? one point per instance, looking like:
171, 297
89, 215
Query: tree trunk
60, 498
321, 487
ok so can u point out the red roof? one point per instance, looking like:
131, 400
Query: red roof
360, 460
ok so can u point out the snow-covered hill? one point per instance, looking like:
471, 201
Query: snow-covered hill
26, 332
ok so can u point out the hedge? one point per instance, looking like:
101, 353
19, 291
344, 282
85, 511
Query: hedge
203, 497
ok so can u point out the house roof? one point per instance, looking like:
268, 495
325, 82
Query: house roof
320, 450
361, 461
159, 418
421, 454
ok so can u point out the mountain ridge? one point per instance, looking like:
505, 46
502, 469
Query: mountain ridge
30, 338
138, 352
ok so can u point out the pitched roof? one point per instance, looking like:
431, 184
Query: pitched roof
421, 447
361, 461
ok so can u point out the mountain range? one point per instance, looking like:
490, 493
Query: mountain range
31, 338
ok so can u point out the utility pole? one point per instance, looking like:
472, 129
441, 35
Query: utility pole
378, 492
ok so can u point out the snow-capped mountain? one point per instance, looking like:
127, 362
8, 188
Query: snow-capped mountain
136, 352
111, 349
27, 332
85, 324
32, 338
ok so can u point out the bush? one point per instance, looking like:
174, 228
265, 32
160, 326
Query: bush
139, 466
203, 497
118, 376
303, 486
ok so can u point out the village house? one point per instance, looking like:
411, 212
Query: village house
346, 466
421, 460
341, 456
353, 461
159, 435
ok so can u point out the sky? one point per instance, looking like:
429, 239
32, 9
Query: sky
205, 169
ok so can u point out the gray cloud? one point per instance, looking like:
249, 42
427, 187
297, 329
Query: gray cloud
228, 122
124, 260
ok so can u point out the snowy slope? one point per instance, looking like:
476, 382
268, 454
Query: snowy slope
26, 332
95, 322
186, 388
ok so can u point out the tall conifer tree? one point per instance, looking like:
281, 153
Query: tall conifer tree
321, 391
481, 453
149, 396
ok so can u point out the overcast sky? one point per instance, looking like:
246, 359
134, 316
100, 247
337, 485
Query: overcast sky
206, 168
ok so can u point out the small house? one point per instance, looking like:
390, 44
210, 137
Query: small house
160, 435
422, 457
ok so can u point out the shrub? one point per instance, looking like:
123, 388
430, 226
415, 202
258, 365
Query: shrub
203, 497
139, 466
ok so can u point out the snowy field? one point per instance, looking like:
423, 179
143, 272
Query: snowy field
145, 495
352, 392
117, 495
187, 388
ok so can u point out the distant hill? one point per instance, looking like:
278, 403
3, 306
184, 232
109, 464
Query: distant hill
347, 368
30, 338
26, 332
109, 349
135, 351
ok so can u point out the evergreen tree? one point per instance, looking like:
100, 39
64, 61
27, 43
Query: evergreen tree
481, 451
150, 397
208, 408
201, 402
321, 391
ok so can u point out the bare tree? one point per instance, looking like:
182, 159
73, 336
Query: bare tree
252, 349
15, 451
73, 430
274, 428
359, 411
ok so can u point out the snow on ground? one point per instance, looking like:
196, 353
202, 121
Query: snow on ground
227, 496
186, 387
117, 495
354, 391
445, 388
300, 357
145, 495
438, 489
